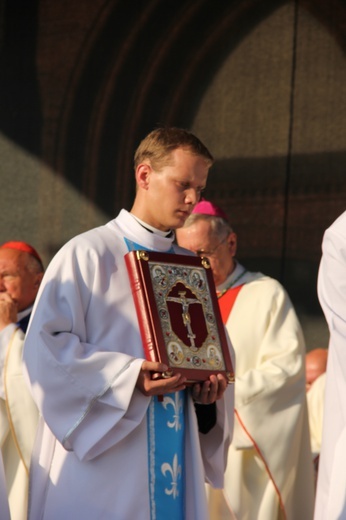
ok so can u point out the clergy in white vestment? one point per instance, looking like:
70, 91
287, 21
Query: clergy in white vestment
269, 473
5, 511
21, 272
331, 483
110, 447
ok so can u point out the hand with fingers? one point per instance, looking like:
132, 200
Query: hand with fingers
8, 310
210, 390
158, 385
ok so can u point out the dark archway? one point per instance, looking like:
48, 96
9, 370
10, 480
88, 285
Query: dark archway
149, 64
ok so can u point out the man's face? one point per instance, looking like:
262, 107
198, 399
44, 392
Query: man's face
172, 192
199, 237
16, 280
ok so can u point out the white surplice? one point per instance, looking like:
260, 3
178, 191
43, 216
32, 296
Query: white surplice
83, 353
18, 422
269, 461
331, 484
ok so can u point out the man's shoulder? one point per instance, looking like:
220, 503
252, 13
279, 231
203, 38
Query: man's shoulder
337, 231
264, 284
85, 252
339, 223
261, 279
95, 238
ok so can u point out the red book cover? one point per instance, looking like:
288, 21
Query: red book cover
178, 314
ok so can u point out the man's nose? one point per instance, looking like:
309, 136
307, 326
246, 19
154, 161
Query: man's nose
192, 196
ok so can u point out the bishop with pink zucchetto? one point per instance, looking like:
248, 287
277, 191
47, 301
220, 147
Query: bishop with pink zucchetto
269, 472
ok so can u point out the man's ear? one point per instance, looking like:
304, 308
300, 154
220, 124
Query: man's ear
143, 172
232, 243
38, 279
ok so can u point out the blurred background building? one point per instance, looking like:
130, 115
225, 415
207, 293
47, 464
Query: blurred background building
262, 83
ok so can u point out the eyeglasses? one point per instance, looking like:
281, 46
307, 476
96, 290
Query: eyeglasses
202, 252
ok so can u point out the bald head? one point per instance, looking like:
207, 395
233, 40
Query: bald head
316, 364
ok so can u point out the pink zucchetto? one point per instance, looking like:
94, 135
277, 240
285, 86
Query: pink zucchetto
22, 246
205, 207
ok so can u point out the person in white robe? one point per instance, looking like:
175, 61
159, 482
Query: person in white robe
269, 473
331, 483
97, 453
5, 511
21, 272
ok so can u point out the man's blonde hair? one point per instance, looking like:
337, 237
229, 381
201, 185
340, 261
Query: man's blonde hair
161, 142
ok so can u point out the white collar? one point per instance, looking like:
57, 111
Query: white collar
232, 278
165, 234
24, 313
129, 226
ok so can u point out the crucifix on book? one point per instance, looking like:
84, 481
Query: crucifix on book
185, 303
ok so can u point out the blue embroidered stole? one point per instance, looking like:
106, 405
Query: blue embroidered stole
166, 450
166, 428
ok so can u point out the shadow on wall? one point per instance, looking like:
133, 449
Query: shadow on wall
279, 213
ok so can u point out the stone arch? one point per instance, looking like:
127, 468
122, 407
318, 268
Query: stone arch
148, 64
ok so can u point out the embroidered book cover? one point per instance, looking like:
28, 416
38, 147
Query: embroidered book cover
178, 314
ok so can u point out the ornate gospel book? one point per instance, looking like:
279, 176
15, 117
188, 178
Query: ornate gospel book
178, 314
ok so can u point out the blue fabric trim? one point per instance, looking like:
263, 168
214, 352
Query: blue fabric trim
166, 435
133, 246
166, 448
